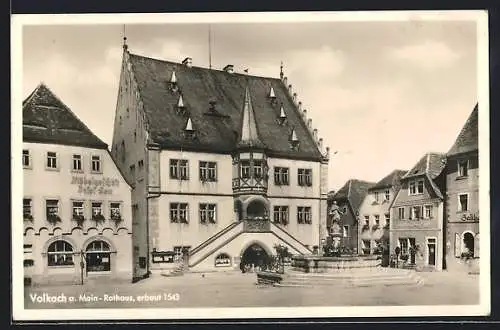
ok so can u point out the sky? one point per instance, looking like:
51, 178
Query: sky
381, 94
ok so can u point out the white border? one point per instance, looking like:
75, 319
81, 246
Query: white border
19, 313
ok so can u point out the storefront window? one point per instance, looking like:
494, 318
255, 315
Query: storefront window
60, 253
98, 257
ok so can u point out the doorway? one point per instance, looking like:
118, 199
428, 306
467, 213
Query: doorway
254, 256
431, 249
98, 257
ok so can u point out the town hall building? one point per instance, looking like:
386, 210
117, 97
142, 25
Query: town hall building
223, 165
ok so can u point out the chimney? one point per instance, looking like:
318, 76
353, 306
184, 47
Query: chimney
285, 80
229, 68
290, 89
294, 98
188, 61
304, 115
327, 153
320, 144
299, 105
309, 123
315, 135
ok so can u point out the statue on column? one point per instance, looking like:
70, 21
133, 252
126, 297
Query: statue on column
334, 239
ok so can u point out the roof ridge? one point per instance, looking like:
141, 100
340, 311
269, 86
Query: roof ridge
199, 67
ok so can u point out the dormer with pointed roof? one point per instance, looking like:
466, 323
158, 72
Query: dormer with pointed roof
46, 119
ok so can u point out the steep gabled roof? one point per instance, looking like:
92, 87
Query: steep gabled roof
217, 131
390, 180
467, 139
46, 119
431, 164
354, 191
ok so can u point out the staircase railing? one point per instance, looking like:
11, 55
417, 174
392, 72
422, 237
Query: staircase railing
290, 236
212, 238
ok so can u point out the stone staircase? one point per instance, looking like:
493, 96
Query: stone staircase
178, 270
380, 276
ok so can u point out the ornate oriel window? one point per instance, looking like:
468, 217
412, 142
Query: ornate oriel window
250, 172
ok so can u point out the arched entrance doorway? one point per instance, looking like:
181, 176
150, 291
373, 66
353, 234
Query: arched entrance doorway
468, 243
254, 256
98, 257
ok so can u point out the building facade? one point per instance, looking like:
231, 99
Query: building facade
417, 214
223, 165
375, 212
76, 204
349, 199
462, 198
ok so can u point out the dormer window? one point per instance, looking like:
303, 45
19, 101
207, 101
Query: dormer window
188, 129
173, 82
463, 168
416, 187
282, 117
375, 195
294, 141
272, 95
181, 108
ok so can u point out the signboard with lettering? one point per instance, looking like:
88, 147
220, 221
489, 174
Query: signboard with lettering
223, 260
470, 217
95, 186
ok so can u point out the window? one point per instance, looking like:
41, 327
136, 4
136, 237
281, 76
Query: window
179, 212
245, 169
420, 186
135, 136
387, 195
179, 169
96, 164
367, 220
115, 211
280, 214
140, 164
97, 211
257, 168
281, 176
463, 202
345, 231
403, 245
366, 246
132, 172
77, 162
375, 195
305, 177
428, 212
51, 160
98, 257
416, 212
77, 209
52, 208
304, 214
179, 250
26, 158
208, 213
401, 213
27, 209
416, 187
377, 219
387, 220
60, 253
208, 171
463, 168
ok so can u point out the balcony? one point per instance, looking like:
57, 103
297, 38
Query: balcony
256, 225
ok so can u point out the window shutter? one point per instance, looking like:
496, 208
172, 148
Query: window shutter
476, 246
457, 245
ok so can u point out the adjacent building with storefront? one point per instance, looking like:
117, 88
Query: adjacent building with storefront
375, 212
462, 198
223, 165
76, 204
349, 199
417, 214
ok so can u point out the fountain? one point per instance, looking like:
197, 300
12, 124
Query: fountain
336, 256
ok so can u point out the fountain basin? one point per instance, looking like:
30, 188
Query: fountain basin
321, 264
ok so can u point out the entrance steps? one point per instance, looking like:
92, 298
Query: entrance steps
381, 276
178, 270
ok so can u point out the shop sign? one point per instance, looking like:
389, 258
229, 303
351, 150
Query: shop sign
92, 186
470, 217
